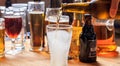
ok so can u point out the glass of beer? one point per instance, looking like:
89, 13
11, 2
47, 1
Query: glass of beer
105, 33
36, 21
13, 27
2, 34
59, 39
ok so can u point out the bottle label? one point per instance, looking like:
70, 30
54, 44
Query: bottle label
87, 48
92, 46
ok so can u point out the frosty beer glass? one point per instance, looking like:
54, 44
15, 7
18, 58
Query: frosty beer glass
59, 39
36, 21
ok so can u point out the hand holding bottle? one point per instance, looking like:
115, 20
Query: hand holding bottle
114, 7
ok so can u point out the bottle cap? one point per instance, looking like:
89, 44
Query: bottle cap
87, 19
86, 16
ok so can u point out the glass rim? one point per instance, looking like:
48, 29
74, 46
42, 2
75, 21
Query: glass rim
52, 8
33, 2
61, 26
63, 19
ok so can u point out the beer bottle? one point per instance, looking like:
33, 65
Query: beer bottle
97, 8
87, 41
8, 3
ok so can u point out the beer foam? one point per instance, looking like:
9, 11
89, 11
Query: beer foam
36, 12
55, 17
12, 16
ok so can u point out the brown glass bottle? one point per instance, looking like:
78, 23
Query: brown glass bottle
87, 42
97, 8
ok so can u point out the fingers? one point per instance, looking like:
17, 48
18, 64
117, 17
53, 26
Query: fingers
114, 7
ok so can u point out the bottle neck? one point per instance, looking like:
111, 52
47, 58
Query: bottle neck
82, 7
88, 28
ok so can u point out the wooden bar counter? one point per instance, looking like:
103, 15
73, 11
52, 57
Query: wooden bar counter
27, 58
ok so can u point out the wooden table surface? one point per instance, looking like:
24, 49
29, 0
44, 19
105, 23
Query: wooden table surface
27, 58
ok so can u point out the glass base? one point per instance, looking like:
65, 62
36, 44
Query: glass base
12, 52
19, 47
36, 49
2, 55
108, 54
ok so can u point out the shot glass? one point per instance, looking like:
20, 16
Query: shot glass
59, 39
2, 34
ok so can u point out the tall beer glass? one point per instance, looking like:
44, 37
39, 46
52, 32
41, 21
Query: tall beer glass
59, 39
36, 21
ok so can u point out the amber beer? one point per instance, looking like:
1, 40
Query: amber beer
13, 26
97, 8
2, 43
36, 29
75, 43
106, 45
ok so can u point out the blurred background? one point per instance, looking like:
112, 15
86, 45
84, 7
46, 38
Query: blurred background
2, 2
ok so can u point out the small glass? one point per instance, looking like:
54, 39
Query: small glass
13, 27
105, 33
59, 39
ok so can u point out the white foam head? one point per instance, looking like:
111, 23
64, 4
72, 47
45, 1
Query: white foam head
54, 18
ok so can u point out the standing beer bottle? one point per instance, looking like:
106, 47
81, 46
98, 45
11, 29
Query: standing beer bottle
97, 8
87, 41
